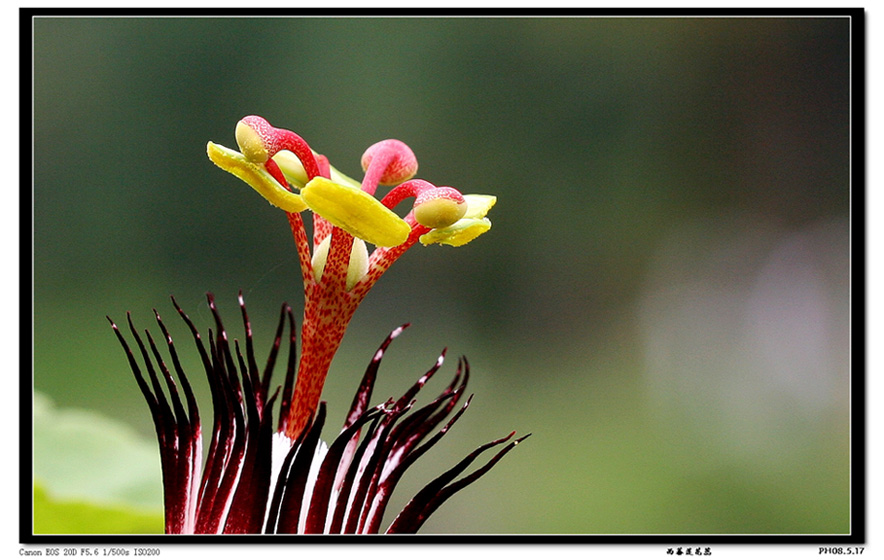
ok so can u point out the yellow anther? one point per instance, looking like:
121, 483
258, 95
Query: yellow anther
478, 205
256, 177
356, 212
472, 225
460, 233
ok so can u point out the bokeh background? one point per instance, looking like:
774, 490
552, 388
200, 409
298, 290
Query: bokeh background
663, 301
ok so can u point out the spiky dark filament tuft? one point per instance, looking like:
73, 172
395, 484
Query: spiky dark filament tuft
341, 488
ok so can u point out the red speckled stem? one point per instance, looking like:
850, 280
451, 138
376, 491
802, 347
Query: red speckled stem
328, 308
296, 223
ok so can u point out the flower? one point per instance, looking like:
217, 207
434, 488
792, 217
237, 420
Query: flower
259, 477
337, 271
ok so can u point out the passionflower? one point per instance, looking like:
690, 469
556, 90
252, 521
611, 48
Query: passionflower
337, 270
261, 476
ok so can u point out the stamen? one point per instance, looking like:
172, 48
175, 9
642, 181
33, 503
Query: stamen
470, 226
257, 177
356, 212
458, 234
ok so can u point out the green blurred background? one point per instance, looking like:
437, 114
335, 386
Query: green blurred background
663, 300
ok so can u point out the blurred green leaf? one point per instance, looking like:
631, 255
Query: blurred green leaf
59, 517
92, 474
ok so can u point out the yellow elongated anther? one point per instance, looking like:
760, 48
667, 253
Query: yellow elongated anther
472, 225
478, 205
459, 233
256, 177
356, 212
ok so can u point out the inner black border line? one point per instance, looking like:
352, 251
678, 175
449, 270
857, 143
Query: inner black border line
858, 457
